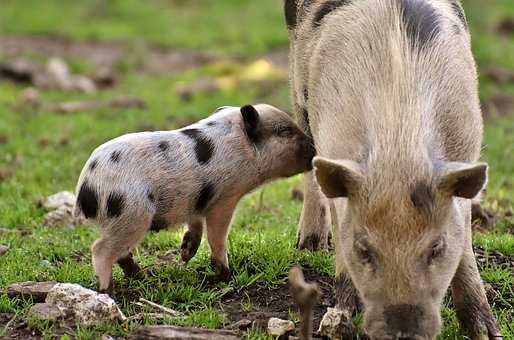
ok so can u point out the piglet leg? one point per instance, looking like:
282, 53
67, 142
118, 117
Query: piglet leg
218, 224
191, 241
129, 266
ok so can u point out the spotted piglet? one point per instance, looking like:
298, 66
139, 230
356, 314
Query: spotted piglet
196, 175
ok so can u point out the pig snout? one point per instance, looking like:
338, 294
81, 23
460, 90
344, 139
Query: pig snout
402, 322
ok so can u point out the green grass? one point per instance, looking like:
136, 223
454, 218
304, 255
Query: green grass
262, 241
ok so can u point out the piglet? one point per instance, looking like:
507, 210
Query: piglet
196, 175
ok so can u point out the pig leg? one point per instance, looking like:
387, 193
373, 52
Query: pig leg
470, 299
314, 226
218, 223
192, 239
347, 298
116, 243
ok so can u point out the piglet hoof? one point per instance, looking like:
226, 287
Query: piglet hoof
223, 273
312, 242
190, 244
109, 290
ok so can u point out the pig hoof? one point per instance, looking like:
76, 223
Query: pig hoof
312, 242
189, 247
223, 273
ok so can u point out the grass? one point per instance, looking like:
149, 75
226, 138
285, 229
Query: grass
45, 151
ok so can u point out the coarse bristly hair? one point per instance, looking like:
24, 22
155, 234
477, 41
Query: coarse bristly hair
388, 90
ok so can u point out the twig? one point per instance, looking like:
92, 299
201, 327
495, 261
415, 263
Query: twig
159, 307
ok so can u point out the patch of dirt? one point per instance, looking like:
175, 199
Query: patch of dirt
16, 328
499, 75
156, 60
493, 257
499, 105
265, 303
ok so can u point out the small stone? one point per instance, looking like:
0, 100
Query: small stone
30, 97
46, 311
58, 71
509, 213
107, 337
36, 290
3, 249
59, 199
279, 327
84, 305
104, 77
82, 84
336, 325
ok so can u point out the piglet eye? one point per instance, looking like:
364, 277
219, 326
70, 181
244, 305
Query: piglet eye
437, 250
284, 131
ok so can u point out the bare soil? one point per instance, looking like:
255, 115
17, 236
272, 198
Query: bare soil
275, 302
156, 60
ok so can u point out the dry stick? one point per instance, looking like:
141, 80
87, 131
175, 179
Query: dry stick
161, 308
306, 295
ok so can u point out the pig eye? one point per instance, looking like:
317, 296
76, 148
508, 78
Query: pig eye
284, 131
364, 252
437, 250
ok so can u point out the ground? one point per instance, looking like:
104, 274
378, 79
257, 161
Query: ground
158, 50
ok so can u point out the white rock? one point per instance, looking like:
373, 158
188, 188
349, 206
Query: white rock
82, 84
46, 311
58, 72
336, 325
279, 327
85, 306
59, 199
63, 216
37, 291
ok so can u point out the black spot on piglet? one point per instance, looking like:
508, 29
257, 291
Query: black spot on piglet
204, 196
115, 203
93, 165
204, 147
115, 156
87, 200
163, 146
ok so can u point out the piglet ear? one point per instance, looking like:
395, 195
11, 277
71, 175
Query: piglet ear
250, 120
250, 116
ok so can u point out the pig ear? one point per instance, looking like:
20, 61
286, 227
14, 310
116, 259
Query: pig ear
463, 179
337, 178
